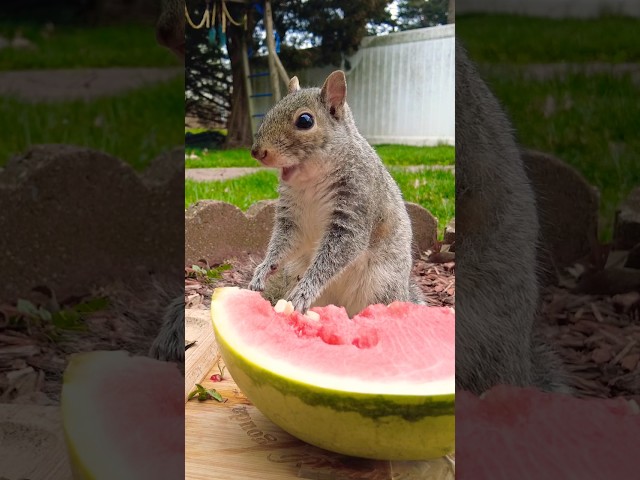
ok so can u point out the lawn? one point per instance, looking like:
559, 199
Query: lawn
391, 155
242, 191
135, 126
589, 120
233, 157
75, 47
434, 190
593, 128
516, 39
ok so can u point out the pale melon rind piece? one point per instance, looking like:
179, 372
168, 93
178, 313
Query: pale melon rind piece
284, 306
120, 416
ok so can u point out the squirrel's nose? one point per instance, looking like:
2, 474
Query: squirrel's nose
258, 153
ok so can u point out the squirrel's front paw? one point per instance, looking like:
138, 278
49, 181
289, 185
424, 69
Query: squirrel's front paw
260, 276
257, 284
300, 299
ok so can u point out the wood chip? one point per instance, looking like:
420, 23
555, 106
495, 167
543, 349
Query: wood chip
630, 362
602, 355
624, 351
16, 351
597, 313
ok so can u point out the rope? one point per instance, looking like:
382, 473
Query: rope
228, 15
206, 18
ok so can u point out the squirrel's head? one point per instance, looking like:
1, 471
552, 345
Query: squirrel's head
298, 130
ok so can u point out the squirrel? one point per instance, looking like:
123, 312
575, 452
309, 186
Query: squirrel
342, 234
497, 291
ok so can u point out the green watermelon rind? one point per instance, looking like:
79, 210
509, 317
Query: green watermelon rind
382, 426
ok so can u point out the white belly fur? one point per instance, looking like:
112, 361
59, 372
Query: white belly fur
353, 288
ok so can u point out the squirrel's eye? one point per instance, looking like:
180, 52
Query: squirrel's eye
305, 121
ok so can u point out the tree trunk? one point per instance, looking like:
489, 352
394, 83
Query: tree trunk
451, 13
238, 125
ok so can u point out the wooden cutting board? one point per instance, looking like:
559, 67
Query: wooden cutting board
234, 441
32, 443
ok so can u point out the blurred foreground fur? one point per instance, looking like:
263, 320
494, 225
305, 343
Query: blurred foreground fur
497, 234
157, 312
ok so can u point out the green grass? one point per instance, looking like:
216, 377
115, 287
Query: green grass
593, 123
135, 126
408, 155
515, 39
234, 157
75, 47
434, 190
242, 191
391, 155
594, 128
223, 131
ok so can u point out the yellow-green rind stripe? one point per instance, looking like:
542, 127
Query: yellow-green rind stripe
78, 470
379, 426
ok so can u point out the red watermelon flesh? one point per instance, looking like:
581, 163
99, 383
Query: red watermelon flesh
408, 346
523, 433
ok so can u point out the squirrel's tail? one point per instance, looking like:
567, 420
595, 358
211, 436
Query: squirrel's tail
546, 367
415, 293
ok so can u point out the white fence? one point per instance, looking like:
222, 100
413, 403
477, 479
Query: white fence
400, 87
551, 8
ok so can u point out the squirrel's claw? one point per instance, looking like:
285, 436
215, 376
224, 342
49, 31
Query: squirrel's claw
256, 284
300, 301
264, 270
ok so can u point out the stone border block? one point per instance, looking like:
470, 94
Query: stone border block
567, 208
217, 231
74, 219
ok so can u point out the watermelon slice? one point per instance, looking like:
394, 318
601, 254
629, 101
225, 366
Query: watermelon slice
123, 417
526, 434
380, 385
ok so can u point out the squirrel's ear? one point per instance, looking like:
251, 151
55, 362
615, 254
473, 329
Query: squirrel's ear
334, 91
294, 85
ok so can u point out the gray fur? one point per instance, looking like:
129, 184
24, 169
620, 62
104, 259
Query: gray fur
497, 233
170, 26
342, 234
169, 344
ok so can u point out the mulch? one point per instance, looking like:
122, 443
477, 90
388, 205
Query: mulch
436, 280
597, 336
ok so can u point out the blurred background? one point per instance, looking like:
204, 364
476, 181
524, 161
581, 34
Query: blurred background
88, 72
